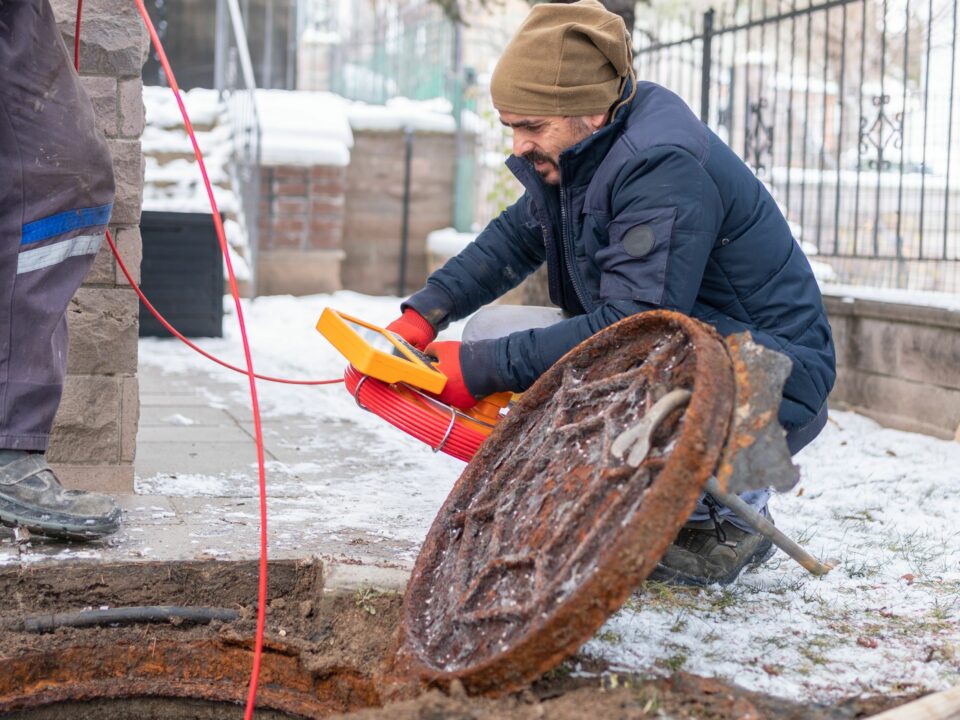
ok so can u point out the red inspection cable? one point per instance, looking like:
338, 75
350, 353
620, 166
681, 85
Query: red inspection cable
234, 291
176, 333
416, 415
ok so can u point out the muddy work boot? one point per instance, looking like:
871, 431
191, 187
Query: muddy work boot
33, 498
711, 551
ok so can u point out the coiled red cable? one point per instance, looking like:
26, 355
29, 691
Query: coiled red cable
430, 421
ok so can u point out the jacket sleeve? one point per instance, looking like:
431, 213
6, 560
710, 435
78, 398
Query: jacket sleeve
666, 213
503, 254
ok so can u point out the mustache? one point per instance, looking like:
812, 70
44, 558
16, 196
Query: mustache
535, 156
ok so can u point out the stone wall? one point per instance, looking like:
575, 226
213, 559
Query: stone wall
94, 437
899, 364
301, 229
374, 207
325, 228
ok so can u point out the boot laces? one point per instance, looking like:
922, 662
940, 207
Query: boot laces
712, 507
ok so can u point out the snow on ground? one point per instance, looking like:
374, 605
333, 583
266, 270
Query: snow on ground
879, 502
360, 473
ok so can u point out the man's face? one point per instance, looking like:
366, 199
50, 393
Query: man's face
541, 138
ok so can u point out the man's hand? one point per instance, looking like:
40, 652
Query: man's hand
413, 328
455, 392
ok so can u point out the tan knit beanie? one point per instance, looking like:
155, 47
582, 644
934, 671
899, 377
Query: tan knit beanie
564, 60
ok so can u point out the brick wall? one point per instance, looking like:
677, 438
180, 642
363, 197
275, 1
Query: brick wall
301, 229
94, 437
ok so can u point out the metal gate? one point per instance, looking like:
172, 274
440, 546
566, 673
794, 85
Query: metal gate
847, 110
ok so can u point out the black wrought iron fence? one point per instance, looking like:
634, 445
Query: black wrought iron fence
847, 110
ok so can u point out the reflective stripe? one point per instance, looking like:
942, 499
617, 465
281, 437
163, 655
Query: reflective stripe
64, 222
48, 255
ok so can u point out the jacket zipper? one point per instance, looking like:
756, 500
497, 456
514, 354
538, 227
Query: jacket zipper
567, 249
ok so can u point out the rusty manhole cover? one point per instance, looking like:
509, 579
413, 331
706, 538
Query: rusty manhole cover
546, 533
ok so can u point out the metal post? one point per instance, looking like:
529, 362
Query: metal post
293, 39
266, 80
463, 163
705, 65
221, 42
405, 226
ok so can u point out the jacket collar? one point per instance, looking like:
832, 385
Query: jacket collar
578, 163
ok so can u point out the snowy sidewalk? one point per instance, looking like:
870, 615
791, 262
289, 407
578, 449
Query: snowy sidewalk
346, 487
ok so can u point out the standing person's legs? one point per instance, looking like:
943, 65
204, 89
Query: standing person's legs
55, 203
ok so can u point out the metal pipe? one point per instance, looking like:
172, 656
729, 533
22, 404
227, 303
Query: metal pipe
706, 61
220, 47
766, 528
405, 225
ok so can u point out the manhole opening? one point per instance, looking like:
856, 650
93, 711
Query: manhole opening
322, 653
148, 708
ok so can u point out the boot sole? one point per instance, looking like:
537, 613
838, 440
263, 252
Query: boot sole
58, 525
663, 574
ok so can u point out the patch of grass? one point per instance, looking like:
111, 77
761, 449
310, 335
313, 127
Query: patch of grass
660, 596
918, 549
648, 700
364, 599
856, 568
814, 656
674, 663
865, 515
804, 536
559, 673
723, 599
612, 681
610, 637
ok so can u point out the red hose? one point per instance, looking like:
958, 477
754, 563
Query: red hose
251, 376
176, 333
429, 421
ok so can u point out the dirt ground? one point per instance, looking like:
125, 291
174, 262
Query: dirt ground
340, 638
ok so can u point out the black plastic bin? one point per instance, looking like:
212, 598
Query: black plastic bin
181, 274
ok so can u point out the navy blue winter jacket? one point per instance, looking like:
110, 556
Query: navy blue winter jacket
653, 211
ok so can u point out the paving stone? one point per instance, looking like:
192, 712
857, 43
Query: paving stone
196, 434
155, 414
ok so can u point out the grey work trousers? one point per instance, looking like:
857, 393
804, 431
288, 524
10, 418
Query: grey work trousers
56, 197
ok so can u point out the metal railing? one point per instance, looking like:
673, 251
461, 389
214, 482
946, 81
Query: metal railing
847, 110
234, 78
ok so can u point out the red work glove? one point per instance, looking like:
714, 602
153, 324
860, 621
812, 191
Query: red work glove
455, 393
413, 328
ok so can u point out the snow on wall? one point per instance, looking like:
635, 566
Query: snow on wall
448, 242
303, 128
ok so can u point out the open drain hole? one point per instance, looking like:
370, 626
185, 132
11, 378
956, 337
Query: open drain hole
146, 708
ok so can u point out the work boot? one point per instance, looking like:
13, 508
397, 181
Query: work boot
33, 498
711, 551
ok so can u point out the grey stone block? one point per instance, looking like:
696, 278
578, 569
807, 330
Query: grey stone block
129, 418
102, 272
130, 246
103, 331
131, 107
128, 172
102, 91
86, 429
